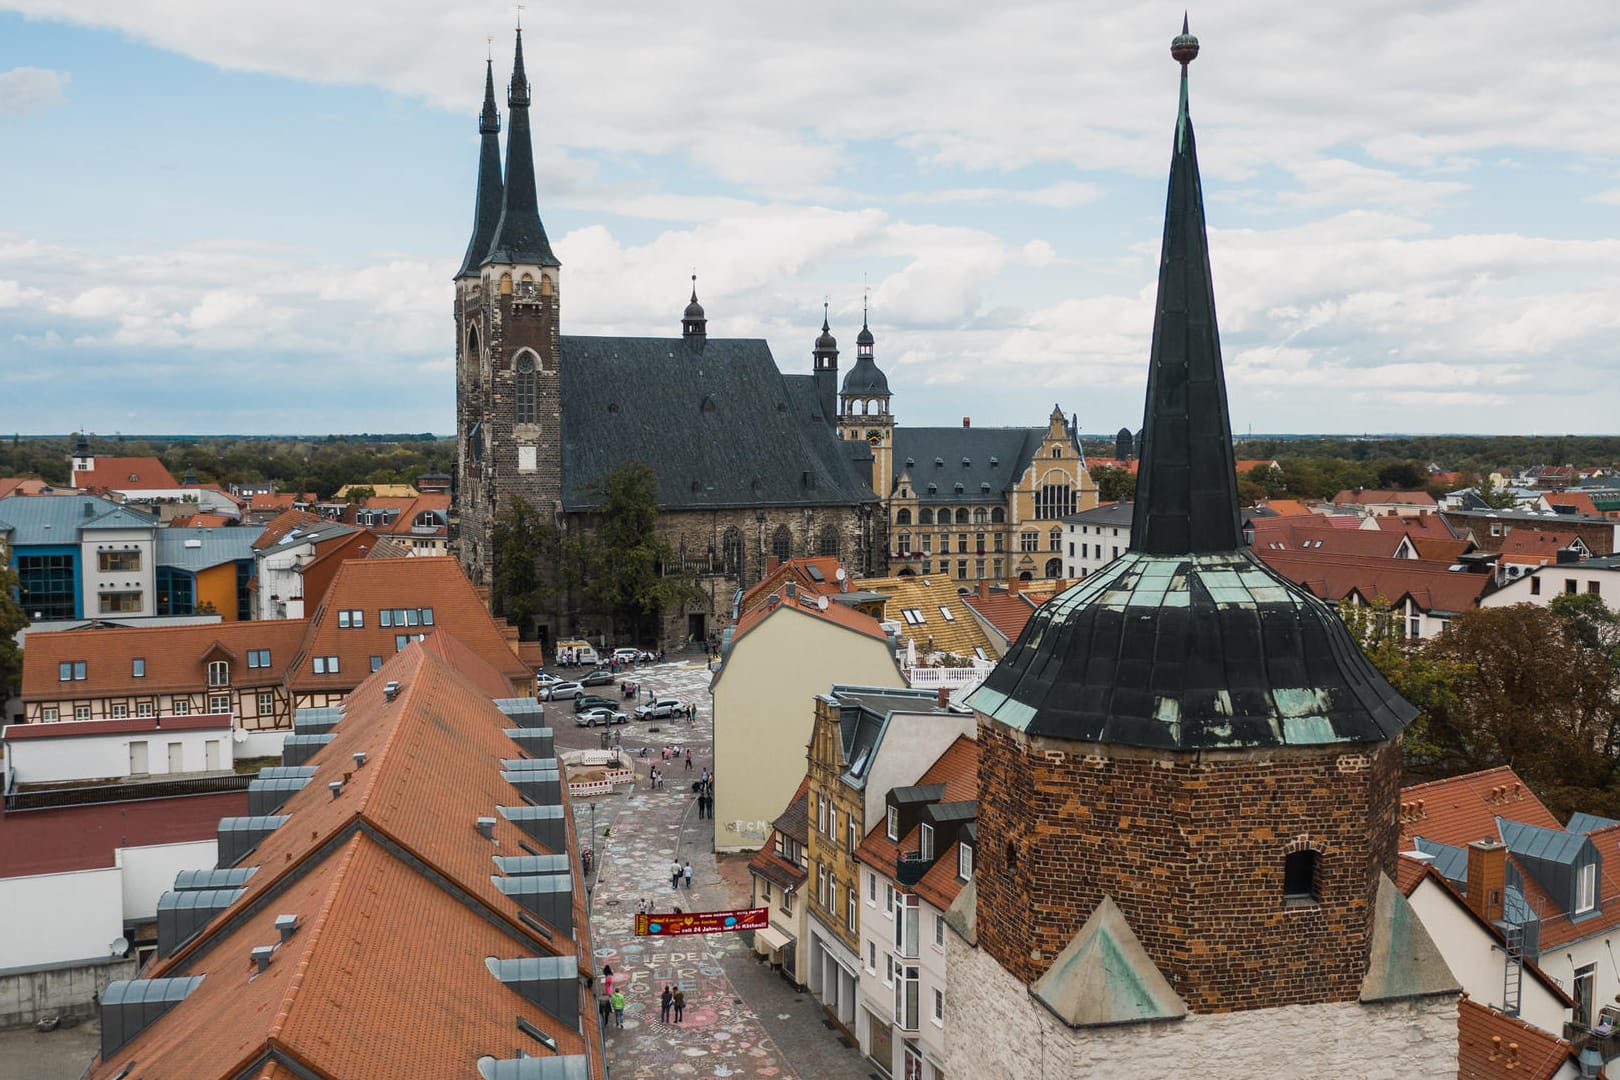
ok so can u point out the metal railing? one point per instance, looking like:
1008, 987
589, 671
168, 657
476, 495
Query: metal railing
97, 794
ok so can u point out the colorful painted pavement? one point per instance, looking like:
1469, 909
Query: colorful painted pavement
741, 1020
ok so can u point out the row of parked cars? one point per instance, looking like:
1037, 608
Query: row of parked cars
593, 710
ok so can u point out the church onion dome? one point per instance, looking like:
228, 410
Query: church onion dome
865, 379
1188, 642
694, 310
865, 336
826, 342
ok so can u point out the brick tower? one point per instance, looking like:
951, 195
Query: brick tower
508, 361
1185, 755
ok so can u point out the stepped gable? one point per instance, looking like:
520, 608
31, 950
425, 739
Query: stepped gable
722, 427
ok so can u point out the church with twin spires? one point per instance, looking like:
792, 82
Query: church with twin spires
753, 464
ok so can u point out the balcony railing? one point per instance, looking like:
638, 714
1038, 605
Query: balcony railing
910, 867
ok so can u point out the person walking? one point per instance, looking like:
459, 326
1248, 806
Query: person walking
675, 875
679, 1001
607, 977
606, 1010
618, 1007
641, 906
687, 873
689, 761
666, 1003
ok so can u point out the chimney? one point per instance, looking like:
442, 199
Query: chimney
1487, 878
772, 563
390, 690
286, 925
359, 759
967, 421
984, 588
262, 955
1015, 585
485, 827
943, 697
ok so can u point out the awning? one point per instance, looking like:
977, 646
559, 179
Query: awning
773, 938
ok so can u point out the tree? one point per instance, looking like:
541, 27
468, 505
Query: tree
1492, 496
623, 567
12, 621
525, 549
1402, 475
1114, 484
1424, 680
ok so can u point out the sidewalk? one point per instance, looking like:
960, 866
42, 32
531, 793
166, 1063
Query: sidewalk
741, 1018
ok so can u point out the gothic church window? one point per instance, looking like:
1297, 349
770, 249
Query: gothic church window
829, 542
782, 543
525, 388
731, 551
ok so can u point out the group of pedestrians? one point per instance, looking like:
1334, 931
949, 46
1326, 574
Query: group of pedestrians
705, 795
677, 873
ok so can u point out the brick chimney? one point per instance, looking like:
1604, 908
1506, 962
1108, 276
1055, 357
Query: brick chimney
1487, 878
772, 562
984, 588
943, 697
967, 421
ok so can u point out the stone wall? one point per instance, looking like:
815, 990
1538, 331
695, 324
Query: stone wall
995, 1031
63, 990
1192, 848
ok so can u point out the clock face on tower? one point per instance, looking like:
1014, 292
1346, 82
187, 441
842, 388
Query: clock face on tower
874, 436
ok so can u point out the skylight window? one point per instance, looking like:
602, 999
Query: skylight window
945, 613
913, 616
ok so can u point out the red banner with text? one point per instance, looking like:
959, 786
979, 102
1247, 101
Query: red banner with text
702, 922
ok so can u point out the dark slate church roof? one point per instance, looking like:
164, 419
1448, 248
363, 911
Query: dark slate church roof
722, 426
866, 378
1188, 642
972, 457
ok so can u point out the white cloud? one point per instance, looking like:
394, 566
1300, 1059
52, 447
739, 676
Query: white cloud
23, 89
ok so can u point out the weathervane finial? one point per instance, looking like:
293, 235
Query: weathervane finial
520, 18
1184, 47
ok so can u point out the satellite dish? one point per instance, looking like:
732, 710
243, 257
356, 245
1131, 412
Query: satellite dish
238, 736
841, 574
821, 603
119, 946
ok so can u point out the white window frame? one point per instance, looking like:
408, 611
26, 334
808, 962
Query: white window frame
939, 931
939, 1007
81, 712
925, 842
219, 673
964, 862
120, 710
267, 703
219, 704
1586, 888
891, 823
180, 707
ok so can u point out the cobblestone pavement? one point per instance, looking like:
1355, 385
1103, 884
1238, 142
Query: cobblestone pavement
742, 1020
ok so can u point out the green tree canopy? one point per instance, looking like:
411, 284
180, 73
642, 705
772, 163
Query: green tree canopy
1114, 484
623, 567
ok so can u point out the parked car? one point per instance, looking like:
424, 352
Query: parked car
561, 691
599, 715
627, 655
546, 678
593, 701
599, 677
660, 709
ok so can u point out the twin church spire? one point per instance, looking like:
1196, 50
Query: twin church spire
506, 219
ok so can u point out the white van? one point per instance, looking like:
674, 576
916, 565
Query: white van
571, 653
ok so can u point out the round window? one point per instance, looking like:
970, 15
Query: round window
525, 364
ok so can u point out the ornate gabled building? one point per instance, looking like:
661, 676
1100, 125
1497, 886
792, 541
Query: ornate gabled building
748, 461
1188, 787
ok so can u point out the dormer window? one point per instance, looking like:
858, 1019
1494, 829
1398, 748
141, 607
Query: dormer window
891, 826
219, 673
964, 863
1586, 888
925, 842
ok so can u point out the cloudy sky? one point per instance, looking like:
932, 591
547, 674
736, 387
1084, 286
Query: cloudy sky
224, 217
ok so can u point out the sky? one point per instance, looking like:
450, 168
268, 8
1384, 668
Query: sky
232, 218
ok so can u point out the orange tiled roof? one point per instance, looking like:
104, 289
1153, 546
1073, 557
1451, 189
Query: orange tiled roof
279, 500
382, 942
1581, 501
1248, 465
176, 657
1286, 507
797, 571
1112, 463
205, 520
835, 613
1446, 551
1428, 525
1373, 497
1492, 1045
21, 485
958, 769
282, 524
1008, 612
1408, 873
1432, 586
1312, 533
124, 474
374, 585
1534, 541
1461, 809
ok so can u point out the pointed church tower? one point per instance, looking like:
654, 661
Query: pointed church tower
863, 408
1188, 771
509, 406
825, 356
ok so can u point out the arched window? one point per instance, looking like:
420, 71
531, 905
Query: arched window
782, 543
474, 358
731, 551
925, 516
1054, 540
1054, 567
961, 515
1299, 876
828, 544
1057, 451
979, 515
525, 387
998, 515
902, 517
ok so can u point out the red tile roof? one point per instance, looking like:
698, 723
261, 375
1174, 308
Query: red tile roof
835, 613
72, 729
1313, 533
1432, 526
958, 769
21, 485
373, 585
206, 520
385, 976
1494, 1046
798, 571
1008, 612
1408, 873
1432, 586
282, 524
1461, 809
1376, 497
1581, 501
85, 837
1446, 551
1286, 507
124, 474
1534, 541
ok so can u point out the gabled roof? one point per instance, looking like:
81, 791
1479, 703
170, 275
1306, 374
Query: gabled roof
1432, 586
721, 427
1461, 809
284, 524
794, 824
199, 549
58, 519
373, 585
1008, 612
173, 656
1377, 497
957, 771
816, 576
205, 520
396, 905
1104, 976
125, 474
1286, 507
836, 614
1432, 526
959, 634
1543, 542
23, 485
1312, 534
1494, 1046
986, 461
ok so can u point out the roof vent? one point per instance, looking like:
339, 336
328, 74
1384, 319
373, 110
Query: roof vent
994, 461
286, 926
791, 588
967, 463
359, 759
262, 955
939, 463
89, 509
335, 787
391, 691
485, 827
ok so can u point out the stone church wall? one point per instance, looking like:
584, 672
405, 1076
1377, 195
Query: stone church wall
994, 1030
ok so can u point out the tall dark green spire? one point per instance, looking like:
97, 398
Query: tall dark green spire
519, 236
1186, 485
487, 212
